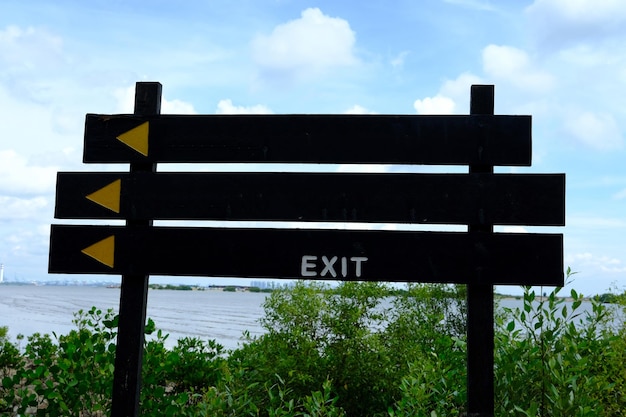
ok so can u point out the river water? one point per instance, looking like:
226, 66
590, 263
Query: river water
209, 314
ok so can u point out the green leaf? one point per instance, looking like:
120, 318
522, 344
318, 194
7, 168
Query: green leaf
7, 382
111, 324
150, 326
511, 326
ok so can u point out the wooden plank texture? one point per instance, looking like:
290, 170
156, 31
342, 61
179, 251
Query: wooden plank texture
507, 199
133, 292
517, 259
480, 310
384, 139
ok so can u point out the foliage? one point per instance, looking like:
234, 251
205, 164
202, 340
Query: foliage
355, 336
179, 287
173, 378
554, 360
10, 356
360, 349
70, 377
607, 298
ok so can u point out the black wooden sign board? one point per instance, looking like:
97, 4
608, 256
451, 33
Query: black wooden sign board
434, 140
503, 199
479, 199
363, 255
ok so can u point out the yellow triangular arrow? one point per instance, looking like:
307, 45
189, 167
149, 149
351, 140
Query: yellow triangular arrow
108, 196
136, 138
102, 251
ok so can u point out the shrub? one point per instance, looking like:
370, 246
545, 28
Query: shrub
553, 360
356, 350
354, 338
70, 377
10, 357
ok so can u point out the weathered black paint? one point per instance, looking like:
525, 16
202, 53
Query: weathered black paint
353, 139
480, 313
133, 292
505, 199
455, 257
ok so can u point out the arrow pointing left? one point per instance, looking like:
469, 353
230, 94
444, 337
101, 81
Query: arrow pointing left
108, 196
137, 138
102, 251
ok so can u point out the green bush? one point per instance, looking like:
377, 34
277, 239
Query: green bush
354, 337
70, 377
553, 360
10, 357
360, 349
174, 380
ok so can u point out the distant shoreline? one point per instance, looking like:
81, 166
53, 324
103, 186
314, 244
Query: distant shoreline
228, 288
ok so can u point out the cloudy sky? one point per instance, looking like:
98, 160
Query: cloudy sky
561, 61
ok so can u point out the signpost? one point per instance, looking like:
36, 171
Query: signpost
334, 139
503, 199
478, 199
452, 257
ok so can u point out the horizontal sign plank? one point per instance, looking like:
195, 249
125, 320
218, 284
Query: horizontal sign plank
519, 259
506, 199
340, 139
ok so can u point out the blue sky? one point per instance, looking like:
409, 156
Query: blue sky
561, 61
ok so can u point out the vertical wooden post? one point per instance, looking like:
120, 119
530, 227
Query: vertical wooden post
134, 292
480, 314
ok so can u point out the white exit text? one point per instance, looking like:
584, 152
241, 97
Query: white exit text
332, 266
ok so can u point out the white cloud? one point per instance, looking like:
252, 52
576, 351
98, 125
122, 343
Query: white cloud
453, 97
398, 61
599, 131
512, 229
607, 264
126, 102
176, 107
17, 176
304, 47
357, 109
435, 105
513, 65
227, 107
32, 64
459, 88
559, 23
363, 168
26, 243
583, 57
473, 4
620, 195
21, 208
125, 99
580, 11
595, 223
29, 49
